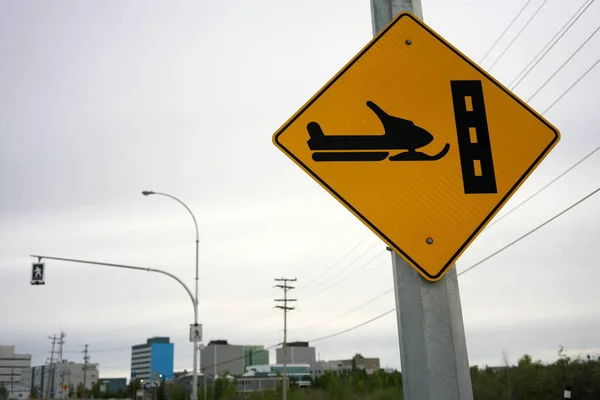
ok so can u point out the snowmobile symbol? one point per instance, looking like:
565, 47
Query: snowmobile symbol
399, 134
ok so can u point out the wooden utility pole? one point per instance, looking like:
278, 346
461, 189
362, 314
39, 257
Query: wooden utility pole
50, 380
85, 363
285, 309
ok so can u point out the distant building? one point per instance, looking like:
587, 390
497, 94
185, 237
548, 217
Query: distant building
15, 369
297, 353
156, 355
369, 365
300, 372
218, 358
63, 378
267, 377
17, 392
255, 355
186, 380
113, 385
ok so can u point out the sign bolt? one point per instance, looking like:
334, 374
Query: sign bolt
408, 42
429, 240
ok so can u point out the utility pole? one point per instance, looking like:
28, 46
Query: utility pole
85, 363
62, 383
61, 341
50, 379
285, 309
66, 373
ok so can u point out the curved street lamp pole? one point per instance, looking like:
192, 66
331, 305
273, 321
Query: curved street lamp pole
195, 369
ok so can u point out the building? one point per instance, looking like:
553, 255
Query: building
17, 392
255, 355
15, 369
218, 358
113, 385
369, 365
186, 380
268, 377
63, 377
156, 355
297, 353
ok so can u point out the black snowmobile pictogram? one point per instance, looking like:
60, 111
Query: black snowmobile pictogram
399, 134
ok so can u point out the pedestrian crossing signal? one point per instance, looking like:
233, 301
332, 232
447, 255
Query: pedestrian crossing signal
37, 274
196, 333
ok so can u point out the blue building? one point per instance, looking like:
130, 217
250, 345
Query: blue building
154, 356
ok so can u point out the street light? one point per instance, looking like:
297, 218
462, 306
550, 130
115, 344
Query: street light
195, 370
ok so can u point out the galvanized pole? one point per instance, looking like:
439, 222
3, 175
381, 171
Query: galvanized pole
197, 356
194, 299
433, 349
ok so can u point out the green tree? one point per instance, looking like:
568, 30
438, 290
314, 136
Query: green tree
132, 388
225, 389
80, 390
96, 392
177, 392
160, 392
3, 393
35, 393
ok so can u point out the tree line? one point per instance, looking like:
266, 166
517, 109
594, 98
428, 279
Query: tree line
527, 380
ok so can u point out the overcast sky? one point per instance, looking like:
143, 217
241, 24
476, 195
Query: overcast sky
101, 100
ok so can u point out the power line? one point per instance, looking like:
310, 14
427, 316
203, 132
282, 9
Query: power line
340, 260
569, 24
504, 33
468, 269
563, 65
350, 311
571, 87
543, 188
345, 277
530, 232
353, 327
518, 34
332, 249
316, 289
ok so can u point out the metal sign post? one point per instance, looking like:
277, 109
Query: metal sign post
433, 347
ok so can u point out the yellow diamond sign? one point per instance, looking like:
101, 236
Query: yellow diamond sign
418, 142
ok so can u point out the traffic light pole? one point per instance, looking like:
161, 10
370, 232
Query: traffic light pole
187, 289
433, 348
